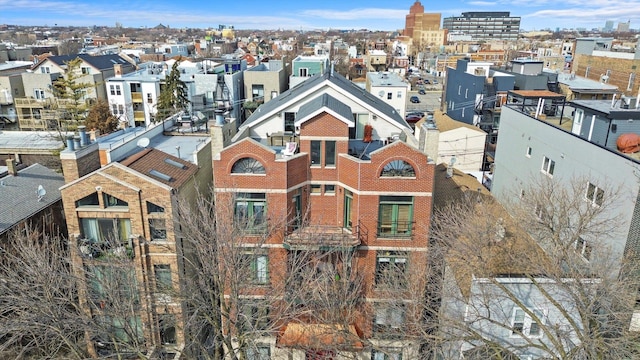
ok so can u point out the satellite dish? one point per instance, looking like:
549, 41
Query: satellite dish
143, 142
41, 192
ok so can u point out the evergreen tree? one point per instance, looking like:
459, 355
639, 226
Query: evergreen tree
70, 93
173, 95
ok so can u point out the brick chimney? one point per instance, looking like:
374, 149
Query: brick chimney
12, 168
117, 70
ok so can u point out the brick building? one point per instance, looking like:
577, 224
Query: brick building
121, 219
327, 166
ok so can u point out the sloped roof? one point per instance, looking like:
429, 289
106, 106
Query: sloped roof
333, 77
322, 101
161, 166
19, 197
516, 253
100, 62
445, 123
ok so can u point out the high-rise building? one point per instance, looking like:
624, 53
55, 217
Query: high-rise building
485, 25
623, 26
608, 26
423, 28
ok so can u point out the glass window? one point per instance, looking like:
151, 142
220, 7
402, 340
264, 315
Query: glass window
106, 229
157, 229
257, 93
110, 200
329, 153
399, 168
153, 208
89, 200
316, 188
389, 319
315, 152
594, 195
395, 217
254, 316
548, 166
248, 166
163, 276
387, 354
258, 265
391, 269
289, 121
250, 209
329, 189
167, 329
258, 352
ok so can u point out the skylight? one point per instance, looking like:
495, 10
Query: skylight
175, 163
160, 175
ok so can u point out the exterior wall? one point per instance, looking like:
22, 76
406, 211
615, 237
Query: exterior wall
288, 176
32, 81
460, 96
272, 81
622, 72
575, 158
398, 96
467, 145
136, 191
76, 164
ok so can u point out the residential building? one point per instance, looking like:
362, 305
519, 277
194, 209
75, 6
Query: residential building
94, 70
390, 87
121, 202
577, 147
495, 300
10, 87
423, 28
30, 200
487, 25
376, 60
265, 81
31, 147
452, 142
304, 67
327, 166
579, 88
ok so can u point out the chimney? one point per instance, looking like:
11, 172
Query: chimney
117, 70
12, 167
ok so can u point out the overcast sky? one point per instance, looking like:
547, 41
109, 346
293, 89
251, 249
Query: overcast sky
285, 14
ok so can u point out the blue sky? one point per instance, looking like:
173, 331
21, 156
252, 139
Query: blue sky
286, 14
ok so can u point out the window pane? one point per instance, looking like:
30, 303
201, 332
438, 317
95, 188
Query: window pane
330, 152
315, 152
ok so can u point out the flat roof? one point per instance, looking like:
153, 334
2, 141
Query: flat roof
385, 79
30, 141
578, 82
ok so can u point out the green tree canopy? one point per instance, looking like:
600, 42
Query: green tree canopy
173, 94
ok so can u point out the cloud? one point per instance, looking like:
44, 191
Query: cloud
357, 14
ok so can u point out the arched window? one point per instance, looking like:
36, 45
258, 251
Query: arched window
248, 166
399, 168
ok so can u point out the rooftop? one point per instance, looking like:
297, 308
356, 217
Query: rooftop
30, 141
19, 194
386, 79
161, 166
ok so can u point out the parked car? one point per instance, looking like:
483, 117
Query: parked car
422, 92
415, 113
414, 99
435, 81
426, 81
413, 118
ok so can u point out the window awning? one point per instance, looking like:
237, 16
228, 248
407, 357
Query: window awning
320, 336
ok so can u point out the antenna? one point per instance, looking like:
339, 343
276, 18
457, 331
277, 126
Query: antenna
41, 192
143, 142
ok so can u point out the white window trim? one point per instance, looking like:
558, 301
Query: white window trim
581, 246
593, 200
528, 320
547, 169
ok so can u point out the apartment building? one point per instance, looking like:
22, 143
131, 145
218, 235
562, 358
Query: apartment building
390, 87
423, 28
264, 82
122, 222
303, 67
329, 171
484, 25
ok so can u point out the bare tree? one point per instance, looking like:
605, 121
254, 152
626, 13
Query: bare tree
47, 312
236, 295
540, 280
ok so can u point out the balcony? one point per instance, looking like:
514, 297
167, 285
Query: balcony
105, 251
324, 237
138, 115
136, 97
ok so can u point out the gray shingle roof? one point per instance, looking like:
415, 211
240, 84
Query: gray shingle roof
339, 80
18, 194
324, 100
100, 62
